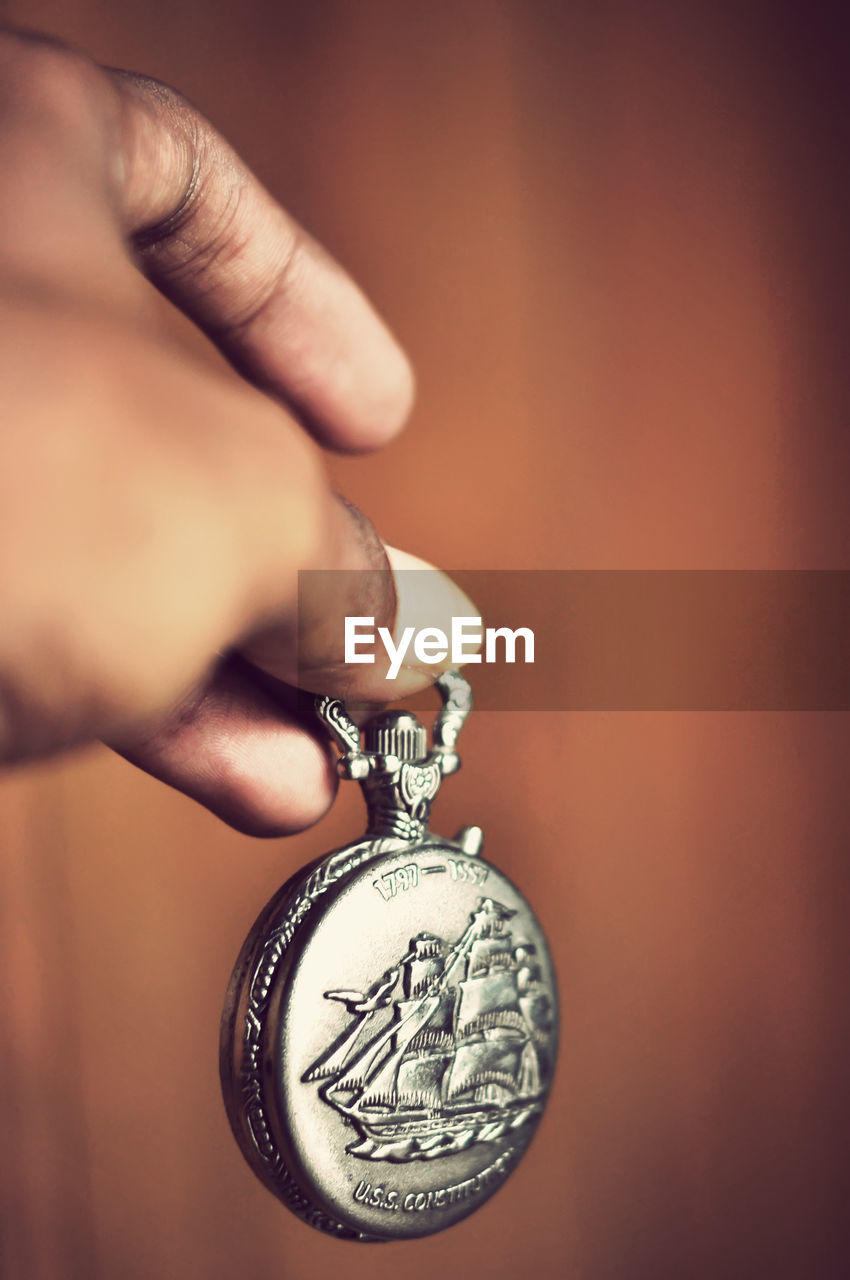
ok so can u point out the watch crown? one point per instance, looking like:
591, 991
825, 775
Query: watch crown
396, 733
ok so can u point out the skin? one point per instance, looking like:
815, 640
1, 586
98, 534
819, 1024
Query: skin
155, 509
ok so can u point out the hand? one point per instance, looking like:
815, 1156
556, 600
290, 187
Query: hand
154, 509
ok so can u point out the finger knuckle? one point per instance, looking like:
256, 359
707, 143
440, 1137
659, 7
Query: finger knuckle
170, 112
225, 239
157, 92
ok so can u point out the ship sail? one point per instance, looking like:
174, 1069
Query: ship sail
420, 1081
537, 1011
352, 1080
485, 1062
383, 1086
487, 954
337, 1058
529, 1083
489, 1000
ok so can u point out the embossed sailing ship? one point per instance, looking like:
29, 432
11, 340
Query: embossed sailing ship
447, 1049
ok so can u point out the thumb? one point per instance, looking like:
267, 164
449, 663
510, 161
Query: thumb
244, 744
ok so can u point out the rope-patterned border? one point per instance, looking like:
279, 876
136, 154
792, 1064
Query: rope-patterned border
275, 1171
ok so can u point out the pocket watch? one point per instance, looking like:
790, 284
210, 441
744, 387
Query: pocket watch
390, 1029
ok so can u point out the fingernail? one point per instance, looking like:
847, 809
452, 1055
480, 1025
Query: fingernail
427, 598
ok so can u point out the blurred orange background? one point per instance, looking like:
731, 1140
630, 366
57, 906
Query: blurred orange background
613, 238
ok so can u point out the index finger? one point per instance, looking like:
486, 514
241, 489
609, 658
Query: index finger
214, 241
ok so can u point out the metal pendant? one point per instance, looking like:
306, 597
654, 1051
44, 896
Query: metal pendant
390, 1029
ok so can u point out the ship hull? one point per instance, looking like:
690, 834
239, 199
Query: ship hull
414, 1137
